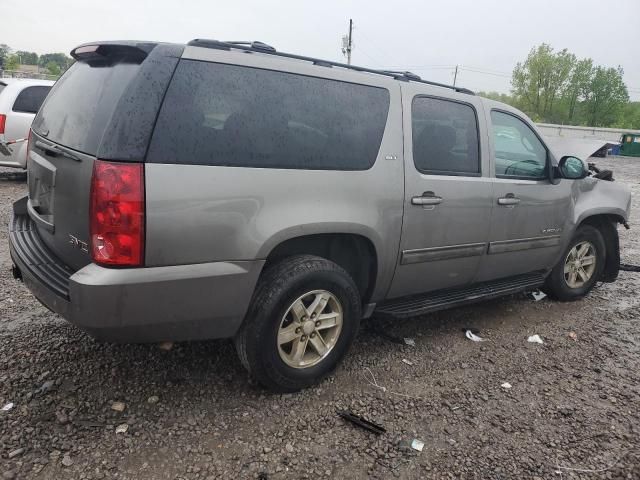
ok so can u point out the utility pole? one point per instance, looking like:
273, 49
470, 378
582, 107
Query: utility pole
347, 43
455, 76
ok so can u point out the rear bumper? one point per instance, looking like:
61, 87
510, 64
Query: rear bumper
182, 302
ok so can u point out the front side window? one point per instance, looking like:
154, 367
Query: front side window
445, 137
228, 115
518, 151
30, 99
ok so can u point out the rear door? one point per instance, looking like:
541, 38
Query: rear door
530, 213
103, 107
447, 191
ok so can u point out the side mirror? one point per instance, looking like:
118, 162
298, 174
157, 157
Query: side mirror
572, 168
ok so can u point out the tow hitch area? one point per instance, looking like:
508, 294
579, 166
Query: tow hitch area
15, 271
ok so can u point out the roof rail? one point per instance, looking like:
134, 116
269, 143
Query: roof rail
261, 47
405, 74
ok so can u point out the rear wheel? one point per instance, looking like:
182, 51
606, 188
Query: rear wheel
301, 322
580, 266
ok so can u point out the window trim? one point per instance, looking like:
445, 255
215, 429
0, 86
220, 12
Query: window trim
448, 173
545, 176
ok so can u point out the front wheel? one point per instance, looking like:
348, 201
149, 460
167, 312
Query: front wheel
580, 267
302, 320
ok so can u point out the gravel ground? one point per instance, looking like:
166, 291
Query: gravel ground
573, 410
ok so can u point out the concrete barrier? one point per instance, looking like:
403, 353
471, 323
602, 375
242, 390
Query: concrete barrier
593, 133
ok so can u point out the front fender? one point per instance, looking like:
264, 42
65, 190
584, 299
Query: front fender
603, 204
600, 197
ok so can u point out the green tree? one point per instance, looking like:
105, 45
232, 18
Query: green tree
578, 85
555, 86
27, 58
53, 68
59, 59
499, 97
541, 79
5, 50
11, 62
629, 117
562, 66
605, 96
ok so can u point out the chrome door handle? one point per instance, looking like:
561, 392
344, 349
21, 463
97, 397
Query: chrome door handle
427, 198
509, 200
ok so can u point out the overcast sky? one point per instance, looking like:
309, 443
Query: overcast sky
426, 37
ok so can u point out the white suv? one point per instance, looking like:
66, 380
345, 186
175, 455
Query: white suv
20, 100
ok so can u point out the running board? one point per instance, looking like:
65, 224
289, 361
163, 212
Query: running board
433, 301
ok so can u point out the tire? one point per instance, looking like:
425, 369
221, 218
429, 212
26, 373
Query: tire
271, 316
558, 286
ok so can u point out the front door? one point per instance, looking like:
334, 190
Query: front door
530, 213
447, 192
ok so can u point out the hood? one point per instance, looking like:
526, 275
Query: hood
582, 148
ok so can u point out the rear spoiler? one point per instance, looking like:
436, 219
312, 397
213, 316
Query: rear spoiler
91, 51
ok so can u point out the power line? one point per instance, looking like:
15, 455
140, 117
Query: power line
504, 75
376, 62
487, 70
377, 47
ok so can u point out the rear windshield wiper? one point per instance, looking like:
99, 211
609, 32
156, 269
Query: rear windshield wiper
57, 149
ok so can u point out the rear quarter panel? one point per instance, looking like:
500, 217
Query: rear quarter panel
198, 213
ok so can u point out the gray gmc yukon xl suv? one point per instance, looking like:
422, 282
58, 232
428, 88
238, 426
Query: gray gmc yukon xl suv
223, 189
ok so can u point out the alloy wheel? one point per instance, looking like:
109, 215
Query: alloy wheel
310, 329
580, 264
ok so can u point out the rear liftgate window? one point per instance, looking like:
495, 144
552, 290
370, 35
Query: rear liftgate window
82, 103
216, 114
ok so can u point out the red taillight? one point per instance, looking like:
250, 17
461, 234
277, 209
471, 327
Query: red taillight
117, 214
3, 120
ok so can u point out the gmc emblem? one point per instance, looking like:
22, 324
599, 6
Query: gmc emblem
76, 242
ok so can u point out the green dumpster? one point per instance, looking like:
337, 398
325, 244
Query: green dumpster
630, 145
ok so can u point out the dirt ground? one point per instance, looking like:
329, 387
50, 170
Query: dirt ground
573, 410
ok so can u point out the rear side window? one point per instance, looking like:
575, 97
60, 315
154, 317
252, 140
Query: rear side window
216, 114
30, 99
82, 103
445, 137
